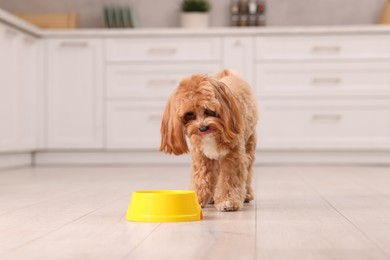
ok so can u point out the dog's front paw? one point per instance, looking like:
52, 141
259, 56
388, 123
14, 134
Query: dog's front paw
228, 205
249, 194
249, 197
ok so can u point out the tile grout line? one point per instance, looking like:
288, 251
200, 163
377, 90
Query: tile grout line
58, 228
357, 228
72, 221
140, 243
346, 218
40, 201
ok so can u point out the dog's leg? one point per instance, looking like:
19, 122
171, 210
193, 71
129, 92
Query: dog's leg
230, 191
204, 177
251, 154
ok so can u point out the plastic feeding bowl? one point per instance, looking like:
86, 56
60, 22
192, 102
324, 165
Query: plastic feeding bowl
164, 206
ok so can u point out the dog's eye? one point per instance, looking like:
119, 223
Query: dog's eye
189, 116
209, 112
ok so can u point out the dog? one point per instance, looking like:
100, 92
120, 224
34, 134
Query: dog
218, 116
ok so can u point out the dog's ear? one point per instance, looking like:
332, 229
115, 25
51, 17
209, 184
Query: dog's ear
230, 112
172, 131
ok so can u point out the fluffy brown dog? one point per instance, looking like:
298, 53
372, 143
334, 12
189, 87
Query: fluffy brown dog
219, 116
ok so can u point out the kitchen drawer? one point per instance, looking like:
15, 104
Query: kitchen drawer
164, 49
323, 78
150, 80
133, 125
323, 124
322, 47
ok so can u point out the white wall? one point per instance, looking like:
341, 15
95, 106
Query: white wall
165, 13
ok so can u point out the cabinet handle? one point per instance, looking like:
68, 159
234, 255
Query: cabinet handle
162, 51
74, 44
325, 81
326, 49
329, 117
162, 82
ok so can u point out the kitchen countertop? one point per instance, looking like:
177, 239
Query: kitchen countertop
10, 19
13, 20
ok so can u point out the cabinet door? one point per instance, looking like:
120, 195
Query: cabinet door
322, 47
29, 75
150, 80
238, 55
17, 90
356, 124
323, 79
74, 87
163, 49
8, 88
134, 125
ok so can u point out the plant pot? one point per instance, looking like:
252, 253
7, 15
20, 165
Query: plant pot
194, 20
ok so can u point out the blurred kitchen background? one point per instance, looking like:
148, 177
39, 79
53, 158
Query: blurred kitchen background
317, 67
154, 13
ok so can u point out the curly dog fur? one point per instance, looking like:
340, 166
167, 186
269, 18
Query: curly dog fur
218, 115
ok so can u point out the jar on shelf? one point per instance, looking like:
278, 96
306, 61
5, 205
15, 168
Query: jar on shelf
247, 13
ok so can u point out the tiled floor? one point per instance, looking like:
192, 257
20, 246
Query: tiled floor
299, 213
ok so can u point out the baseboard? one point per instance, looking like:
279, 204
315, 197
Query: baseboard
12, 160
324, 157
262, 158
108, 158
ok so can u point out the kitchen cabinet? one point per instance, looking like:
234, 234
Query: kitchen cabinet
134, 124
19, 79
141, 74
330, 86
238, 54
136, 97
324, 92
320, 47
172, 49
325, 124
31, 80
74, 93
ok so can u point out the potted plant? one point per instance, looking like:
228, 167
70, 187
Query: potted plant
195, 13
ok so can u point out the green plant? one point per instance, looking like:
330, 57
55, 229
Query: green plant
195, 6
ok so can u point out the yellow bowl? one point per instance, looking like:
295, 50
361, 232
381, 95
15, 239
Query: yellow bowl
164, 206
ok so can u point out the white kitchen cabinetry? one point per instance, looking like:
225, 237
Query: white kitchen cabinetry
74, 93
325, 124
134, 125
324, 79
19, 68
238, 54
31, 55
140, 75
136, 97
322, 47
324, 92
151, 80
171, 49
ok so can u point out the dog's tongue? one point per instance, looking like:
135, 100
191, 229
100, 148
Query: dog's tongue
210, 131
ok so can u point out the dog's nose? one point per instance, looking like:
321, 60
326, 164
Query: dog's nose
203, 128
